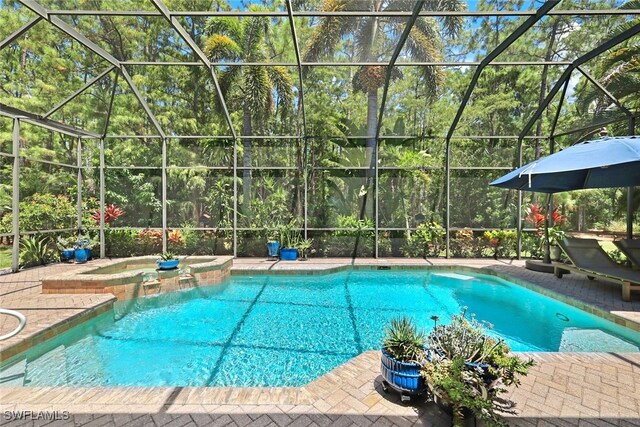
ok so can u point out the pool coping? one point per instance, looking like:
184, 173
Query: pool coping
37, 337
353, 387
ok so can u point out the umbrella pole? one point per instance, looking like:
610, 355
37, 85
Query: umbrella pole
630, 213
632, 131
548, 220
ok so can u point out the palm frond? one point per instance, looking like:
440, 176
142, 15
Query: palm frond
218, 47
254, 32
256, 89
225, 25
329, 31
365, 38
282, 82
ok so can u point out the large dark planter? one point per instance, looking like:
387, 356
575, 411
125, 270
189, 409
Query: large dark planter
168, 265
81, 255
401, 376
445, 405
288, 254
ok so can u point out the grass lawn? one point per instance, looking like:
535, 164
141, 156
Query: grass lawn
5, 257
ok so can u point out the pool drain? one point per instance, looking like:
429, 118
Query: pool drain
562, 317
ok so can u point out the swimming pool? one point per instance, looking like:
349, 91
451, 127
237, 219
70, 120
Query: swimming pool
268, 330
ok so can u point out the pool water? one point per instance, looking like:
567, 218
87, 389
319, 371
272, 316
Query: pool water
288, 330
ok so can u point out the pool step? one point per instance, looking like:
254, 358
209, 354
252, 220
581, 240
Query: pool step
14, 375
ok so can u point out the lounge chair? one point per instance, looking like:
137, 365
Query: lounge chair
589, 258
631, 248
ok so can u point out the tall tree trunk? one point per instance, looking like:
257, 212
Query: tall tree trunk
246, 159
370, 149
548, 56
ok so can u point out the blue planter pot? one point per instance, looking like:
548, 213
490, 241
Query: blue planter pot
272, 249
288, 254
67, 254
81, 255
168, 265
401, 376
89, 255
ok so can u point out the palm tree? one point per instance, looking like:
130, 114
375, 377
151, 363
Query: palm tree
618, 70
256, 90
374, 39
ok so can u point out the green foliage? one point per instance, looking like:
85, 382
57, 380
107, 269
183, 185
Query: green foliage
290, 235
403, 341
44, 212
465, 244
469, 370
304, 246
618, 256
36, 250
41, 69
123, 243
426, 241
501, 242
355, 238
167, 256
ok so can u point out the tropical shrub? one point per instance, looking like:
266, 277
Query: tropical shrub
122, 243
464, 244
36, 250
358, 240
426, 241
501, 242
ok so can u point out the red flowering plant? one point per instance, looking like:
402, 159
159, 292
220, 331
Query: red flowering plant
536, 216
111, 213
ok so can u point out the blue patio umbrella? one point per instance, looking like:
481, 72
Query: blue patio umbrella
600, 163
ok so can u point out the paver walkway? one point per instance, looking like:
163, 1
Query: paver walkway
590, 389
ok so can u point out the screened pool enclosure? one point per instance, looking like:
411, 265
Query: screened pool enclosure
371, 127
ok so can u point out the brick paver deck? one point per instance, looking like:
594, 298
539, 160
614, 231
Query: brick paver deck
564, 389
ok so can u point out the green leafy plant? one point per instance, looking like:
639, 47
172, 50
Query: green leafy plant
555, 235
304, 246
35, 250
64, 243
426, 241
167, 256
403, 341
468, 370
501, 242
289, 235
464, 244
85, 242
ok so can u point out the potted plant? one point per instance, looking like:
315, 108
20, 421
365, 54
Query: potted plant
273, 244
167, 261
555, 235
82, 249
402, 358
289, 239
66, 248
303, 247
466, 370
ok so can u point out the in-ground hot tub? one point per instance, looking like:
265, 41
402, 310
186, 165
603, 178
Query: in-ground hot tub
135, 277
